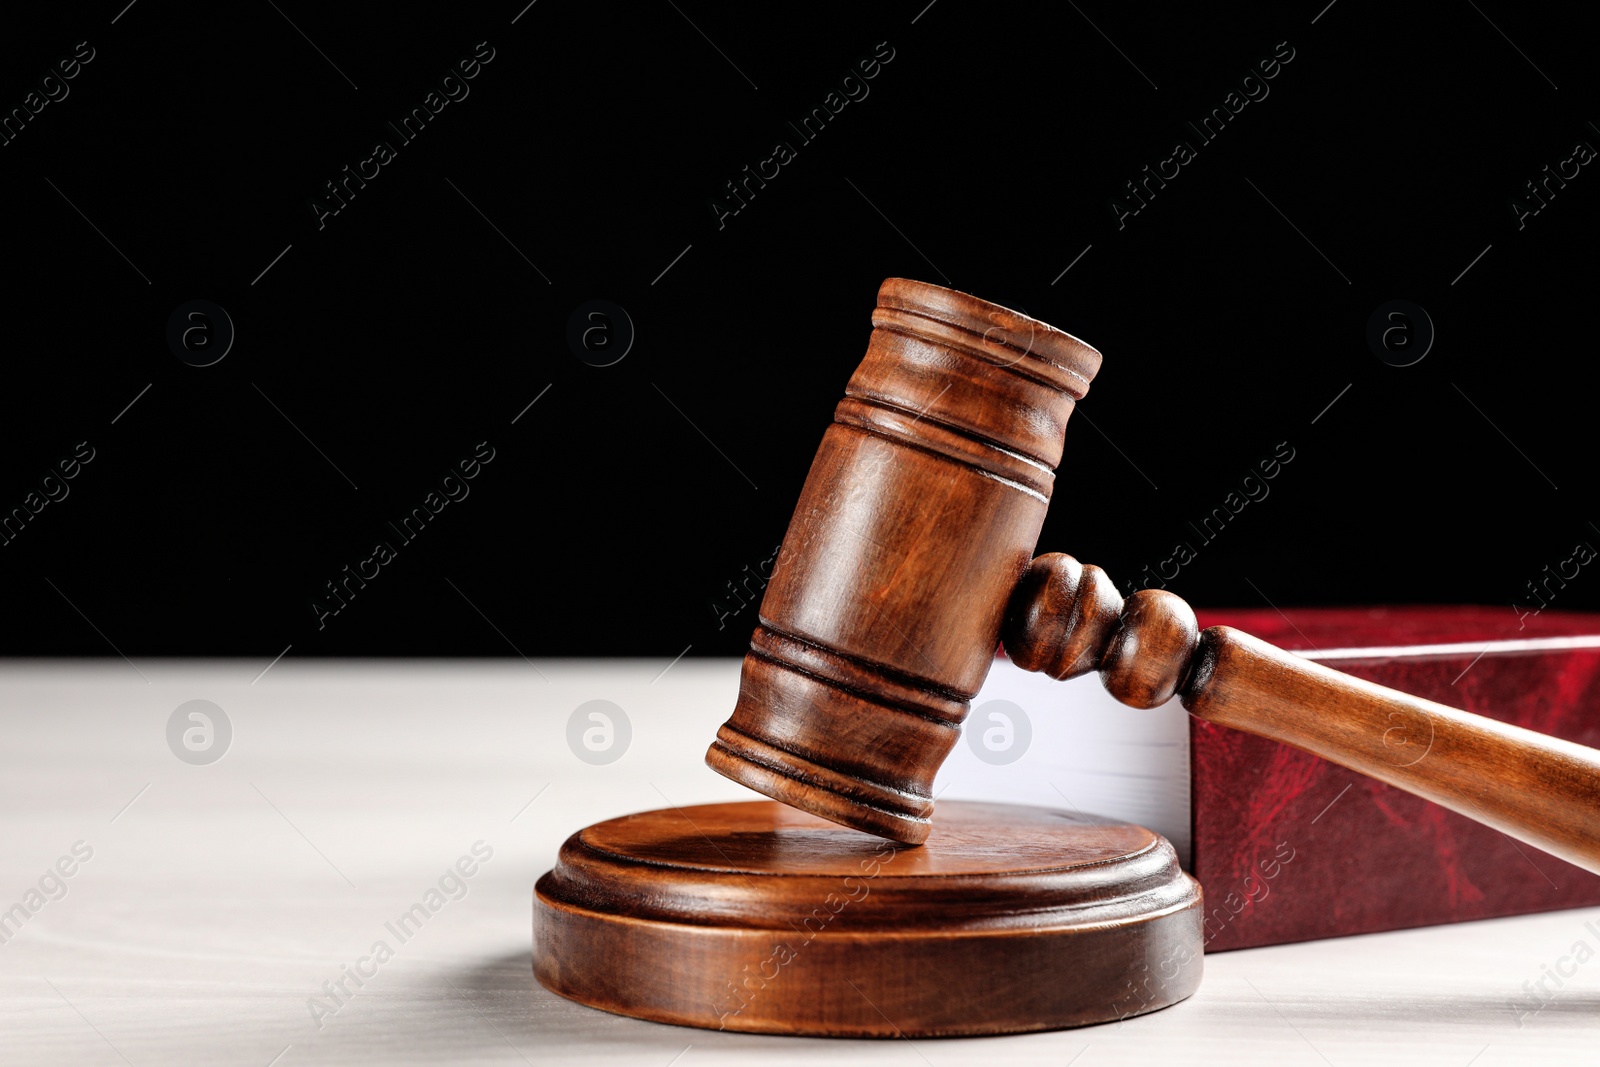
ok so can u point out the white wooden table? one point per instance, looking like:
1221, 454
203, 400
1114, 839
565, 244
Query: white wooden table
219, 899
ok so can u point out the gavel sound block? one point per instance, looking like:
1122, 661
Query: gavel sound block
908, 557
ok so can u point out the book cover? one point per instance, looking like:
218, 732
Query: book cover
1290, 847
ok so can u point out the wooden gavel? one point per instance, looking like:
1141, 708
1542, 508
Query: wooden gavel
908, 559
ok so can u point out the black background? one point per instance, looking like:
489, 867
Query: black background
408, 329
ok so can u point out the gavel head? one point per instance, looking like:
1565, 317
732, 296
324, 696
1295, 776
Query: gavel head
917, 520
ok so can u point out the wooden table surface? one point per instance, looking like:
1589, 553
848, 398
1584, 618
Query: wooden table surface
217, 900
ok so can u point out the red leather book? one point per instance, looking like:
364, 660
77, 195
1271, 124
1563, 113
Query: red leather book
1290, 847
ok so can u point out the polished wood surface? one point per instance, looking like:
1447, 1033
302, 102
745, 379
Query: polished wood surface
910, 545
1067, 620
919, 515
758, 917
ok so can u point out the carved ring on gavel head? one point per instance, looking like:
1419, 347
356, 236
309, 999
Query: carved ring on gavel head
910, 549
919, 515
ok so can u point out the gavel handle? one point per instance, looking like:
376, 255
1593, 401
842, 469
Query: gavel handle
1067, 619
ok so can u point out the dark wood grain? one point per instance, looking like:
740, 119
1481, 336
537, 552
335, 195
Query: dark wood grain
905, 554
758, 917
1538, 789
919, 514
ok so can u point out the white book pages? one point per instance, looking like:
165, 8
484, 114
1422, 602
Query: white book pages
1033, 740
